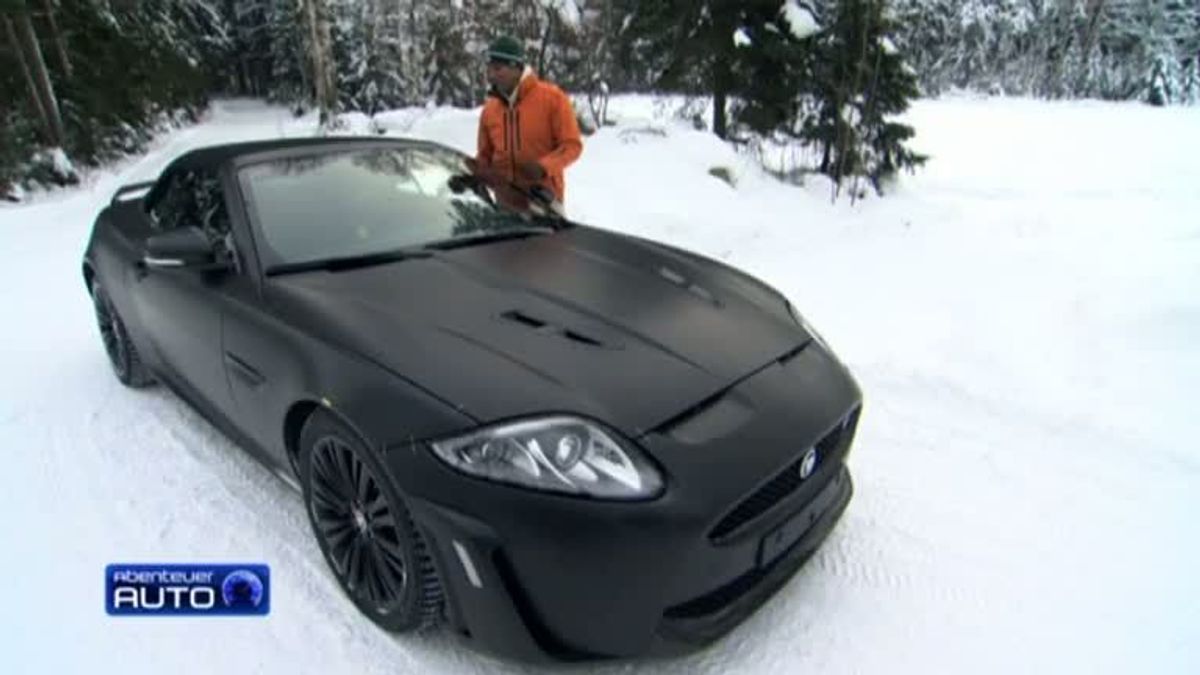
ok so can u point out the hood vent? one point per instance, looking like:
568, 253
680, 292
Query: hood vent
581, 338
682, 282
524, 319
546, 328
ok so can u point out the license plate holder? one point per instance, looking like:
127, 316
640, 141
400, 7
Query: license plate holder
778, 541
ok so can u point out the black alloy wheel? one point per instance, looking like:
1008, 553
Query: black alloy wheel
364, 530
123, 356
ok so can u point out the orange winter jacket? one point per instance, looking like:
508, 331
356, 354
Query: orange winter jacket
538, 126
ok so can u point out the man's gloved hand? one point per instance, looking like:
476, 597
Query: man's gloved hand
505, 191
532, 171
460, 182
484, 172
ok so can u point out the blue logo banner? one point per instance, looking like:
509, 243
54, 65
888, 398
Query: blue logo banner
139, 589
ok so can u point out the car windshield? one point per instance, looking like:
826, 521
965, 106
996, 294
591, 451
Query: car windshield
364, 202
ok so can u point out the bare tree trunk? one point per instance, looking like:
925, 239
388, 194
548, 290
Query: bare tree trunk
1095, 10
318, 29
415, 69
34, 98
378, 25
720, 96
60, 43
328, 72
41, 77
720, 124
305, 87
314, 54
722, 23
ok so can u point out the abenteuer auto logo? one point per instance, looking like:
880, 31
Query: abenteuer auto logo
187, 589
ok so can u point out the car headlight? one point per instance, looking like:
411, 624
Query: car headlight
557, 454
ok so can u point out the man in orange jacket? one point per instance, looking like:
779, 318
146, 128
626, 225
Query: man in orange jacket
527, 132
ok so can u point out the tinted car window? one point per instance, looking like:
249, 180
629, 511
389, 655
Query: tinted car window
347, 203
193, 198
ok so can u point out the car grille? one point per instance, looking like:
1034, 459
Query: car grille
829, 449
702, 619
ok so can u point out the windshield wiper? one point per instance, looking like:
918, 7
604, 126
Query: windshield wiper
537, 194
487, 237
347, 262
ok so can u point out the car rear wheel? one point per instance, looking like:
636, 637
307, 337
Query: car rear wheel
123, 356
364, 529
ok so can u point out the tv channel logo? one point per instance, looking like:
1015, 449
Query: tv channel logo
187, 589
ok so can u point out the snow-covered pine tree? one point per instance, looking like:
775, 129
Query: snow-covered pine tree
287, 54
928, 37
1119, 49
27, 46
203, 37
21, 116
384, 83
773, 71
1157, 37
164, 55
368, 54
1190, 91
247, 70
893, 85
351, 39
451, 57
1086, 71
860, 83
597, 33
688, 46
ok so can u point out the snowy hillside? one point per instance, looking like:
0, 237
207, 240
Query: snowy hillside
1023, 316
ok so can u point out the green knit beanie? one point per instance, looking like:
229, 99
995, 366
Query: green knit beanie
506, 49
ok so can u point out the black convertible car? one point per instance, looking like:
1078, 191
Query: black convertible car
559, 441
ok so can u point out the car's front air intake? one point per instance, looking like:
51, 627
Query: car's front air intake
830, 449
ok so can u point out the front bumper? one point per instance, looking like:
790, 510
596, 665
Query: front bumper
534, 575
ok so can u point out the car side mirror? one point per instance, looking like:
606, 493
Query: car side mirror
186, 247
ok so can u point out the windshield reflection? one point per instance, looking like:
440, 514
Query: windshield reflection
364, 201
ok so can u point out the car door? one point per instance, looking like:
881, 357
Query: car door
262, 358
180, 308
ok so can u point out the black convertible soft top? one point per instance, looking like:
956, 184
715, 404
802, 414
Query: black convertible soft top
215, 155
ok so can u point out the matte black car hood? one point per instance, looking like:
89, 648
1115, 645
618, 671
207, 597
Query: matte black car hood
619, 329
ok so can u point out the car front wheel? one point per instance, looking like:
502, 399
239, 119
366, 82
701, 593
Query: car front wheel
123, 356
364, 529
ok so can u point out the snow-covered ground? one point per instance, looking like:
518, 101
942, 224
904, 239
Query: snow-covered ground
1023, 315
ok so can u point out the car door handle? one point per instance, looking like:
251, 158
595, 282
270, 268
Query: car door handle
244, 371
